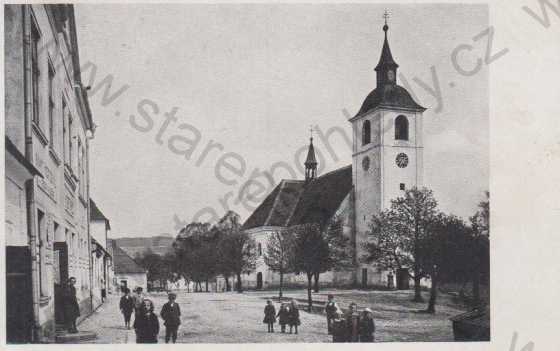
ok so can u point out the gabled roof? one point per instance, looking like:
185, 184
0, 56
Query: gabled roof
296, 202
322, 197
277, 207
96, 214
123, 263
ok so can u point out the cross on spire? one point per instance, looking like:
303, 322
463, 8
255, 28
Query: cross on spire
311, 130
386, 15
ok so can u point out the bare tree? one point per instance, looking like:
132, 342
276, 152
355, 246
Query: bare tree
279, 256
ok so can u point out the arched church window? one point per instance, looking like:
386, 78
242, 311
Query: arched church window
366, 133
401, 128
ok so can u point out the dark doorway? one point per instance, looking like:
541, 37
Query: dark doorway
403, 279
259, 281
60, 265
19, 296
364, 278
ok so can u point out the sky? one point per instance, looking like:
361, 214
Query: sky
248, 81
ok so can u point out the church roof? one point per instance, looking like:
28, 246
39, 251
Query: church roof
295, 202
124, 264
390, 96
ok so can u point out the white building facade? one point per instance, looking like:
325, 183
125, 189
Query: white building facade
49, 122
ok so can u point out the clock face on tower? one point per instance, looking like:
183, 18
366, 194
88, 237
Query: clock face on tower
402, 160
365, 163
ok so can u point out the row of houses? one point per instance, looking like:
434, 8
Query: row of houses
54, 229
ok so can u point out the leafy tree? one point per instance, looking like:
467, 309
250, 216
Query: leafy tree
441, 256
196, 253
317, 251
397, 234
238, 250
480, 223
158, 268
228, 225
279, 256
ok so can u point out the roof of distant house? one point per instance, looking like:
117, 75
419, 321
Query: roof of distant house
124, 264
295, 202
96, 214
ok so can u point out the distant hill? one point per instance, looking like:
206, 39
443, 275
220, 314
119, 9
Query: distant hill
159, 244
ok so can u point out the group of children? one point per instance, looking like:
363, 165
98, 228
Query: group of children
146, 322
349, 326
288, 314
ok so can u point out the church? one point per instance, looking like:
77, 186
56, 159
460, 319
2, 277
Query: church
386, 160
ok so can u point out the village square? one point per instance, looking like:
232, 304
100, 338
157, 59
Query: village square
385, 240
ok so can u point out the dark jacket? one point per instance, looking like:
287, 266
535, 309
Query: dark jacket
171, 314
294, 316
126, 304
330, 308
70, 303
339, 330
269, 314
284, 315
352, 326
146, 326
367, 328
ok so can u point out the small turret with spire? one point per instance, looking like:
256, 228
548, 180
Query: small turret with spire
310, 161
387, 67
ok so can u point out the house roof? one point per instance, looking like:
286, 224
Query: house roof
123, 263
295, 202
96, 214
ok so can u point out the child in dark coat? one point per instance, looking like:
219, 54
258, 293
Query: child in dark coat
126, 306
171, 314
367, 326
294, 316
284, 316
269, 316
146, 324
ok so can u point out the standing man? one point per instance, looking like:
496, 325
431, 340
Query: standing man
171, 314
138, 301
103, 291
352, 323
330, 310
126, 306
70, 305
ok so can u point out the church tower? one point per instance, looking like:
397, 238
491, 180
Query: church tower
310, 162
387, 151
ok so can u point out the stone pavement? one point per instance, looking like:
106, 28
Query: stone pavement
209, 318
237, 318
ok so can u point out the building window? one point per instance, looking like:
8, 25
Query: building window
260, 249
70, 159
401, 128
80, 162
73, 244
51, 105
64, 131
42, 243
402, 187
366, 133
35, 73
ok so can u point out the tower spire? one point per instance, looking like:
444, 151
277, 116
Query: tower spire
310, 161
387, 67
